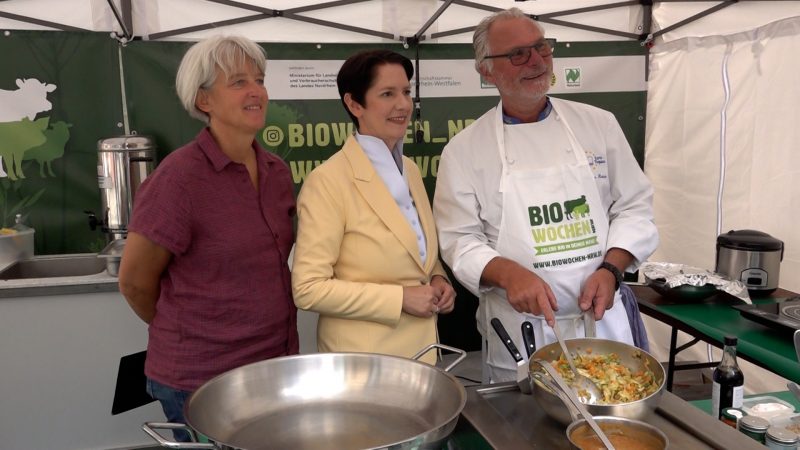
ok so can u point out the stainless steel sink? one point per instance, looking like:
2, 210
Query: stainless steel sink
74, 265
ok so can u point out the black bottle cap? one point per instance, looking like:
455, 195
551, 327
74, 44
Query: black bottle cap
730, 340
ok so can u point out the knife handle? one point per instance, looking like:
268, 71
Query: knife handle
528, 339
501, 331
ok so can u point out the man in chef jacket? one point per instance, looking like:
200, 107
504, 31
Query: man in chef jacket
540, 205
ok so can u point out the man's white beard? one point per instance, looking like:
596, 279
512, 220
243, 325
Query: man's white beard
535, 95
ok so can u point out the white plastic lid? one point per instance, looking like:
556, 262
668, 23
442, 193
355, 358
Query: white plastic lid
767, 407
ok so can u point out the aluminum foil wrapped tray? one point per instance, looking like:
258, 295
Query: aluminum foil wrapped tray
690, 283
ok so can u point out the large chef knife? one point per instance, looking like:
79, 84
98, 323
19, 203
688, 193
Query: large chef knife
522, 367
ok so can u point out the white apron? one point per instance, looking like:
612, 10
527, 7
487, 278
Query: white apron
553, 222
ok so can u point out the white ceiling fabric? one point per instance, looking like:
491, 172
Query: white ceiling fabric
400, 17
746, 15
74, 13
396, 17
408, 13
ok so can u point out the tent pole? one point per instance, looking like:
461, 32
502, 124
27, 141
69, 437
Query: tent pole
453, 32
246, 6
647, 37
418, 133
127, 14
206, 26
432, 19
591, 8
699, 15
319, 6
44, 23
477, 6
125, 29
579, 26
340, 26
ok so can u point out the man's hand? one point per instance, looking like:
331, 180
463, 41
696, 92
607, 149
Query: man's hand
525, 291
598, 293
601, 286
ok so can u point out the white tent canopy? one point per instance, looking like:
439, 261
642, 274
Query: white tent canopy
399, 18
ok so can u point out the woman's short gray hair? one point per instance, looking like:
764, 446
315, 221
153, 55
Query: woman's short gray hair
198, 68
480, 38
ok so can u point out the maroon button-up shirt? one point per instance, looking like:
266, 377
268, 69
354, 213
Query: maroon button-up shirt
226, 296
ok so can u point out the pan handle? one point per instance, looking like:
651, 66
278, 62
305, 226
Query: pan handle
150, 427
462, 354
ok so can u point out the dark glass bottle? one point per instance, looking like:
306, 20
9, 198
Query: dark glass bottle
728, 388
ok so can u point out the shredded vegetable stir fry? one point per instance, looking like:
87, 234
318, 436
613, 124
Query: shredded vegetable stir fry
617, 382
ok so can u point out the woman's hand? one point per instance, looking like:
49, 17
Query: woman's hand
447, 301
427, 300
421, 301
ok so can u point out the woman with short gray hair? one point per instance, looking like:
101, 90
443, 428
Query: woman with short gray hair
202, 61
205, 263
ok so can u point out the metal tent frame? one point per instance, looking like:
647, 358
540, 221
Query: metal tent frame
123, 12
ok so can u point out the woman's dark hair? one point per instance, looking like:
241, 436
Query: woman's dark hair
358, 74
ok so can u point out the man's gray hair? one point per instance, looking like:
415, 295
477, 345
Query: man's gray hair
480, 38
198, 69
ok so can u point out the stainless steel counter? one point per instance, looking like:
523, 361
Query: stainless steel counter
508, 419
93, 281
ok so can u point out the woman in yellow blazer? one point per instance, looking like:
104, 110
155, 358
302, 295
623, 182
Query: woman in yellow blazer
366, 256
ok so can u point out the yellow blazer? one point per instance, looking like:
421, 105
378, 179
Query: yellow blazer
355, 251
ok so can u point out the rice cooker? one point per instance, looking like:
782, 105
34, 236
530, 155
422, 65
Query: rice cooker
752, 257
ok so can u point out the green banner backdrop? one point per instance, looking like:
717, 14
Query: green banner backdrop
306, 122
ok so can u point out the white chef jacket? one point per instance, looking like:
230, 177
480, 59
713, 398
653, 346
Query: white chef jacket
467, 202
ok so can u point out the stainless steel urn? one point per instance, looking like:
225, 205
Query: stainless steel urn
123, 163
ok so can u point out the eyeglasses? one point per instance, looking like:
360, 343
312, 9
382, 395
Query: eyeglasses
521, 55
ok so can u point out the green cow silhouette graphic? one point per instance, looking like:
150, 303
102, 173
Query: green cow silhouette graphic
18, 137
577, 207
57, 136
32, 140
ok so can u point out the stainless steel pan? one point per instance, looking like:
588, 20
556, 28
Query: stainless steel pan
629, 355
326, 401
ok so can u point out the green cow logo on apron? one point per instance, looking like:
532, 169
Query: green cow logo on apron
562, 226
